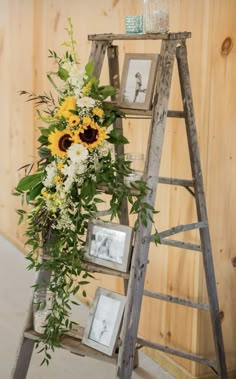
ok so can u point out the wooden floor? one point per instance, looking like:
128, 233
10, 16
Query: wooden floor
15, 292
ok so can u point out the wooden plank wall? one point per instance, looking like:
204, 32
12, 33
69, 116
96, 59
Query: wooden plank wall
28, 28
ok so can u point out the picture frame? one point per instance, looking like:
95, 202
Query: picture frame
109, 244
138, 81
104, 321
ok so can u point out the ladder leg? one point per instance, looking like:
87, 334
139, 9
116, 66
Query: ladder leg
114, 73
201, 207
141, 246
26, 346
97, 55
23, 359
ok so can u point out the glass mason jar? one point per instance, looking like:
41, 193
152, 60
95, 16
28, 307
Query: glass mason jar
156, 16
137, 167
42, 303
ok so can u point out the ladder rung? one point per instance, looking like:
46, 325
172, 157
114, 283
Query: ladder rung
73, 343
176, 300
176, 181
179, 353
180, 228
181, 244
91, 267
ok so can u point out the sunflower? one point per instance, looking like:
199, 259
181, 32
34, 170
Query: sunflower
98, 112
73, 121
69, 104
92, 135
60, 141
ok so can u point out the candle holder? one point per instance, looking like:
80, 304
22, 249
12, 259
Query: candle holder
137, 167
156, 16
42, 303
134, 24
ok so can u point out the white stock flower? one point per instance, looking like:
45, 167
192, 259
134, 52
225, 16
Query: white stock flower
51, 172
76, 76
86, 102
77, 152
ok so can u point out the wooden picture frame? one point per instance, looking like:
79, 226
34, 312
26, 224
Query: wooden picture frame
109, 244
138, 81
104, 321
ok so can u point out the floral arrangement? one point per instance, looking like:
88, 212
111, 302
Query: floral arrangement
76, 160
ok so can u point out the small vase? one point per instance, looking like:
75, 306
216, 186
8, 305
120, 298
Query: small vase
42, 303
156, 16
137, 167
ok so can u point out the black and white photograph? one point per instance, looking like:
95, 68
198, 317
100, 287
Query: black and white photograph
137, 83
104, 320
109, 244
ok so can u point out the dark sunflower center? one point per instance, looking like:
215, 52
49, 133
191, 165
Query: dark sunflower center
89, 135
65, 142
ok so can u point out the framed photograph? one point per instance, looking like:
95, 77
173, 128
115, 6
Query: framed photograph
138, 81
109, 244
104, 321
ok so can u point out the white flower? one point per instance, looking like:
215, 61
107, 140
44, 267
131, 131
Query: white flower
77, 152
69, 170
66, 65
51, 172
86, 102
76, 76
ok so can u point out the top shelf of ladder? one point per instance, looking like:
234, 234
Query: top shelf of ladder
154, 36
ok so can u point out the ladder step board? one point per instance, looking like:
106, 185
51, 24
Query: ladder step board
146, 36
180, 244
179, 353
176, 181
139, 114
73, 343
176, 300
91, 267
180, 229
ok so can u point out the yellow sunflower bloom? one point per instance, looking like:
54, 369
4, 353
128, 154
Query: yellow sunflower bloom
87, 121
60, 141
92, 135
98, 112
68, 104
74, 121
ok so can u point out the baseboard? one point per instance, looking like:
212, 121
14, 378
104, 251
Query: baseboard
176, 370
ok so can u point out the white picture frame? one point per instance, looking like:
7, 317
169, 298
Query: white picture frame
104, 321
109, 245
138, 81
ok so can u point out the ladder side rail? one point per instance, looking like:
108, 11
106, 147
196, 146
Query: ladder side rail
141, 246
97, 55
201, 207
26, 345
114, 75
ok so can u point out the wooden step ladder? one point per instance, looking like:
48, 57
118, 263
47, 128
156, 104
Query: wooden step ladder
173, 45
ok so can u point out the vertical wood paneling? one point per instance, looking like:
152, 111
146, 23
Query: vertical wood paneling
27, 30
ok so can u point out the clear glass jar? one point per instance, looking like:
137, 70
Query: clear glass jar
137, 167
42, 303
156, 16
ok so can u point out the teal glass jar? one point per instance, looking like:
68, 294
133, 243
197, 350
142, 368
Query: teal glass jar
134, 24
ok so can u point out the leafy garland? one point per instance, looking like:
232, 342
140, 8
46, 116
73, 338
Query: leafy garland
75, 160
